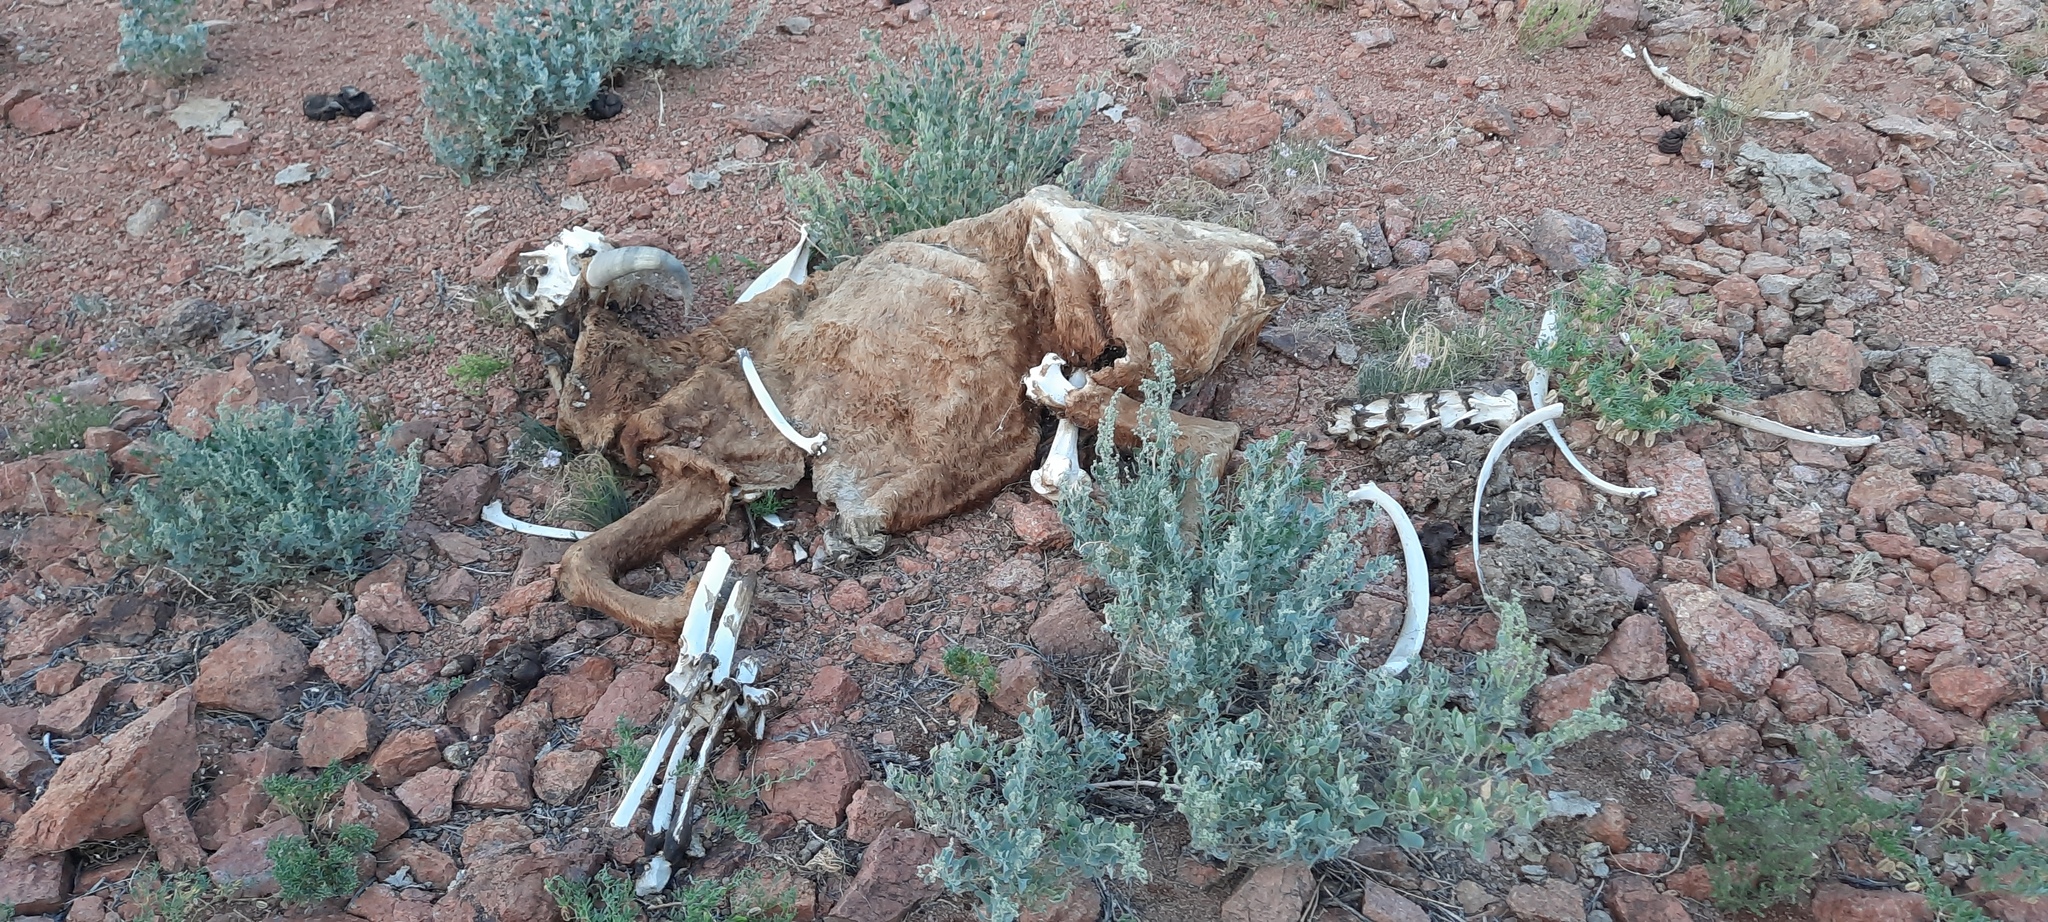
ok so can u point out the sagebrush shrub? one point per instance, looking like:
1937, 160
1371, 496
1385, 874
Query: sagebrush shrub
266, 497
967, 140
159, 39
1016, 807
486, 84
311, 869
1616, 356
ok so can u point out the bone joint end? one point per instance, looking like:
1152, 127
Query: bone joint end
810, 445
1062, 468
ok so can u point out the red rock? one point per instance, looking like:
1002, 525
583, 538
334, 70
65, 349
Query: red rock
503, 778
430, 795
404, 754
1724, 650
1969, 690
832, 688
1727, 744
381, 812
847, 597
1068, 627
1886, 741
23, 764
877, 645
461, 497
1925, 720
387, 605
350, 656
592, 166
1846, 147
1633, 899
1378, 902
1561, 696
1403, 289
1824, 360
335, 735
561, 776
1609, 827
171, 835
1020, 682
1567, 243
875, 809
1800, 697
1017, 576
772, 123
521, 600
58, 678
889, 885
1281, 891
1834, 902
819, 797
1637, 649
1221, 170
474, 709
572, 694
234, 146
25, 484
359, 288
2003, 571
37, 116
32, 883
1245, 128
241, 864
71, 715
102, 792
1881, 490
1550, 901
1684, 494
382, 903
512, 887
637, 695
1940, 247
1038, 525
1083, 903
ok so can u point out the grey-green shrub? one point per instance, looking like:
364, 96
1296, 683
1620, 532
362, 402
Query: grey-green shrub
266, 497
969, 141
1016, 807
311, 869
159, 39
1281, 745
487, 83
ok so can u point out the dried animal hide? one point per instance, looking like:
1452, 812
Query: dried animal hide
909, 359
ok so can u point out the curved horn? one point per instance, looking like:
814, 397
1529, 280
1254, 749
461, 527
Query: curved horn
668, 274
693, 496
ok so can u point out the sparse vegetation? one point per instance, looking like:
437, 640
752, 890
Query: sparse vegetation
320, 864
266, 497
154, 896
589, 492
607, 897
159, 39
1191, 199
487, 85
1551, 24
307, 798
383, 343
1769, 847
769, 503
1215, 87
1418, 351
970, 139
474, 370
1293, 164
970, 666
438, 690
1780, 73
627, 754
44, 348
1618, 356
61, 424
1016, 807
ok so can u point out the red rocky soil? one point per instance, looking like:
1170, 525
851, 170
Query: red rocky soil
1893, 595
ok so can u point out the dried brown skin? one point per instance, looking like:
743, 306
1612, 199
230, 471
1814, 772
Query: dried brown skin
910, 360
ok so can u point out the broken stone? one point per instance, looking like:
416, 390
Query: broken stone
103, 792
820, 796
1567, 243
350, 656
1724, 650
889, 885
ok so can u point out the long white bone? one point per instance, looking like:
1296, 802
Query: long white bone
1683, 88
1500, 446
1773, 427
1062, 468
810, 445
1416, 624
1539, 395
495, 514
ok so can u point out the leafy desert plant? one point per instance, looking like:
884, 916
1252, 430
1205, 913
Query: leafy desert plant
607, 897
62, 423
321, 863
1768, 848
970, 666
1015, 806
1549, 24
626, 754
966, 124
159, 39
307, 798
1616, 355
589, 491
475, 369
1418, 351
154, 896
267, 496
487, 85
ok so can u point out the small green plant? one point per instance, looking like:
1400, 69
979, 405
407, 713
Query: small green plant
970, 666
1768, 848
1550, 24
1293, 164
967, 123
438, 691
475, 369
1418, 351
487, 86
607, 897
319, 867
1739, 11
157, 897
744, 897
627, 754
62, 424
383, 343
266, 497
159, 39
589, 491
725, 803
767, 504
46, 347
1437, 230
307, 798
1016, 807
1215, 89
1616, 356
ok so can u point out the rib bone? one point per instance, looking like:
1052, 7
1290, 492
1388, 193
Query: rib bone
810, 445
1417, 623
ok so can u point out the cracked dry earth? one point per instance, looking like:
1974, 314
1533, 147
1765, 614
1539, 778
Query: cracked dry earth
1892, 595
